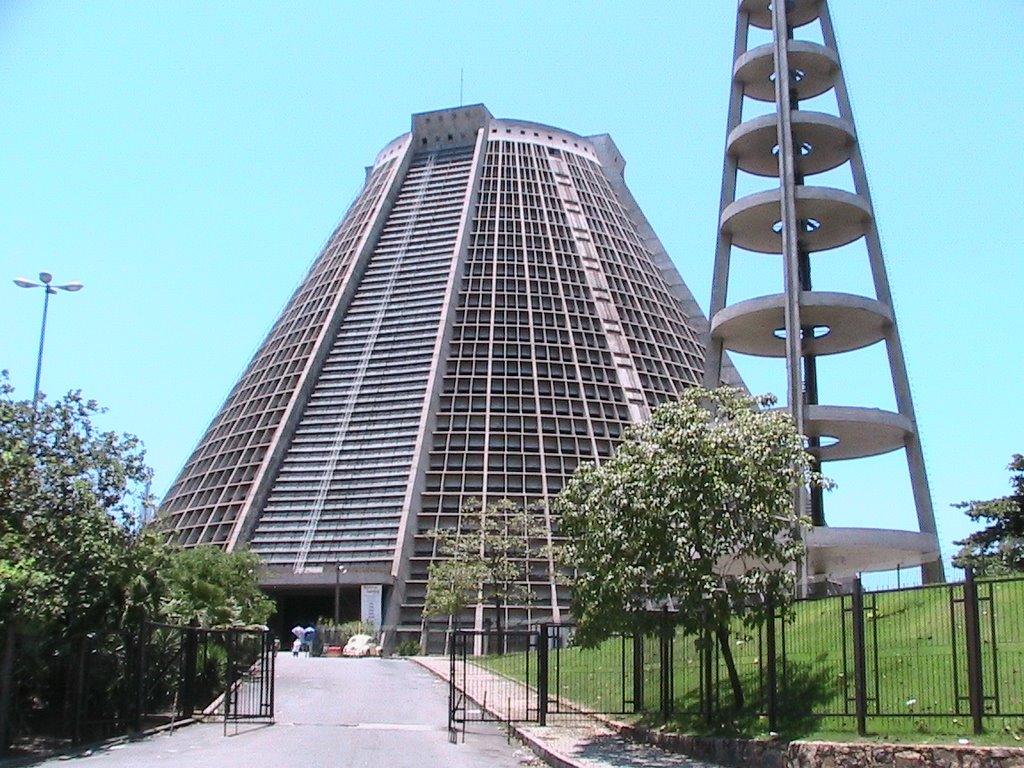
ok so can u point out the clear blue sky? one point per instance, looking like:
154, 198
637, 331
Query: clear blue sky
187, 160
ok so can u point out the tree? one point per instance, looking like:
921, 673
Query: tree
694, 509
451, 586
997, 549
73, 557
486, 559
214, 588
78, 569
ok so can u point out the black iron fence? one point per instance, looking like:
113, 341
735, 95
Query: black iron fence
945, 658
537, 674
73, 691
76, 690
249, 687
190, 671
504, 692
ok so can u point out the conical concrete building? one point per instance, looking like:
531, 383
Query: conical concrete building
493, 309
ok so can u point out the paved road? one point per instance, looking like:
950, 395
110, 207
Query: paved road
331, 713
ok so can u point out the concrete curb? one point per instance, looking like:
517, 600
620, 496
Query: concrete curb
791, 754
544, 752
547, 753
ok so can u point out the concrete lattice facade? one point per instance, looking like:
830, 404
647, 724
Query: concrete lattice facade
493, 310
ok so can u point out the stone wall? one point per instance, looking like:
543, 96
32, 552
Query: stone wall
817, 754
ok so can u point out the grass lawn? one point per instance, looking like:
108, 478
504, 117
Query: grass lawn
917, 672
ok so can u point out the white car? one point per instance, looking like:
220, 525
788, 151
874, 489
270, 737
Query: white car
361, 645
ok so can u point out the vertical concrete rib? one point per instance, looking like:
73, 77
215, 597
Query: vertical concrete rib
714, 353
933, 572
790, 242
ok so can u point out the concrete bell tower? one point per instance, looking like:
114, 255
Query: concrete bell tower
790, 137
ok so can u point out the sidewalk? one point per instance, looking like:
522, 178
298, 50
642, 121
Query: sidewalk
584, 742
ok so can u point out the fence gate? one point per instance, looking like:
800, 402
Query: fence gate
492, 676
249, 684
187, 672
611, 679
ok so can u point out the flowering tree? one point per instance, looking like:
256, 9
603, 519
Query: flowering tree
694, 509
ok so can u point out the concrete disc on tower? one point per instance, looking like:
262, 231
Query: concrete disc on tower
848, 432
837, 322
812, 67
844, 552
822, 142
798, 12
828, 218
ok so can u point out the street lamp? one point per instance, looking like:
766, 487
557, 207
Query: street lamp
338, 570
46, 280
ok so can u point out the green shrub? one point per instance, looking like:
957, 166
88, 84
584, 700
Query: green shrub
407, 648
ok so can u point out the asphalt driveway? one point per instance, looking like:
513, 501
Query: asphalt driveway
331, 713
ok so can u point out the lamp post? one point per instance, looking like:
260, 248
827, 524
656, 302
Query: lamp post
338, 570
46, 283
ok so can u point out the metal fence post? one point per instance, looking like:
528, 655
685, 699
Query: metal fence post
638, 672
860, 677
665, 692
78, 691
230, 689
453, 692
272, 659
972, 630
773, 678
542, 674
145, 636
189, 660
